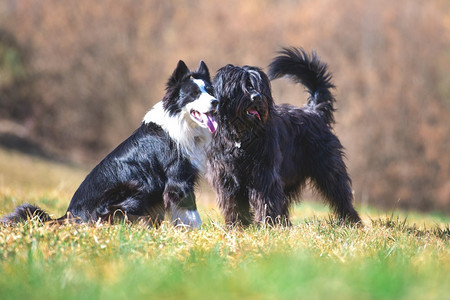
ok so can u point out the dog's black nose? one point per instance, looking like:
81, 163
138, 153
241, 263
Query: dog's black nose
255, 96
214, 103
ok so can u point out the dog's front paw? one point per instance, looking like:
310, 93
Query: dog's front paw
181, 216
182, 207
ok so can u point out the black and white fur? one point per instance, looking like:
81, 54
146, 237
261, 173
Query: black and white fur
154, 171
263, 154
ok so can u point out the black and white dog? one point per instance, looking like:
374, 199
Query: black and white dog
263, 154
154, 171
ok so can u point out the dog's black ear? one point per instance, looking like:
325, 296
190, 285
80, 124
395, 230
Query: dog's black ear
179, 74
203, 69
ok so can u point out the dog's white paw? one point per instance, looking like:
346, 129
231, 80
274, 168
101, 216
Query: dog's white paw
185, 217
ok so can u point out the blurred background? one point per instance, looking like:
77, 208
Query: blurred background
77, 77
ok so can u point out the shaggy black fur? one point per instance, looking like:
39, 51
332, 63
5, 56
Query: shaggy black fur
145, 176
263, 154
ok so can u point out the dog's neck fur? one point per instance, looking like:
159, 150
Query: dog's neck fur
251, 140
190, 138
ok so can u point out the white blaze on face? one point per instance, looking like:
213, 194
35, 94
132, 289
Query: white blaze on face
201, 85
185, 217
202, 108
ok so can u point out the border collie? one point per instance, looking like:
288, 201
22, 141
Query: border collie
154, 171
263, 154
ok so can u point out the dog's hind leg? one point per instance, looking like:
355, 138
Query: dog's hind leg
331, 179
130, 201
153, 215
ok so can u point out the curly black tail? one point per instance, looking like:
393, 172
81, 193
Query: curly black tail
24, 212
312, 73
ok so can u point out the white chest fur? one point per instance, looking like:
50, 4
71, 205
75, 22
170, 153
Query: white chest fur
191, 139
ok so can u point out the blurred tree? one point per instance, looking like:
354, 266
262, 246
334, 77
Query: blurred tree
13, 78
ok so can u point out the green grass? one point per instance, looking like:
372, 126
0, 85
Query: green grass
395, 256
312, 260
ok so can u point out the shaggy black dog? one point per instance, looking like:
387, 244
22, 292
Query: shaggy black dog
262, 154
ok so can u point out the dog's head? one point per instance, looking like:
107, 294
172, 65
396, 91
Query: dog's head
191, 93
245, 98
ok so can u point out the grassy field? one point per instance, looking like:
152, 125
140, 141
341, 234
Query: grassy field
395, 256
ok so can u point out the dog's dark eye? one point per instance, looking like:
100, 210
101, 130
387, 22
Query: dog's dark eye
248, 84
189, 94
209, 90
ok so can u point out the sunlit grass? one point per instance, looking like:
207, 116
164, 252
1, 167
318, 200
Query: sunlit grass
396, 255
29, 179
386, 259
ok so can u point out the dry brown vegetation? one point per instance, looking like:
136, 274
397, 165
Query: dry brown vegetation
78, 76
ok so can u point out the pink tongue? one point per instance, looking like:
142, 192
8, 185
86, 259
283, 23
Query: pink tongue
255, 113
210, 122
